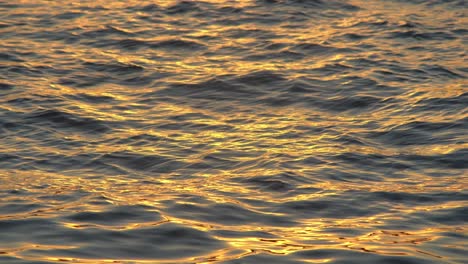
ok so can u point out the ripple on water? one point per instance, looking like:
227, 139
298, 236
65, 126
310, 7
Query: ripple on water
64, 120
257, 131
138, 243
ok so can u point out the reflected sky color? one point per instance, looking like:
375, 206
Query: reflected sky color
233, 131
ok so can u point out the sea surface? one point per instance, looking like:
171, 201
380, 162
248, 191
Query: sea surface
249, 131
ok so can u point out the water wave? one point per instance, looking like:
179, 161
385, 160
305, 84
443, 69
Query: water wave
279, 131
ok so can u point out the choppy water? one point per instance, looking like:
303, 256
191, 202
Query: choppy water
274, 131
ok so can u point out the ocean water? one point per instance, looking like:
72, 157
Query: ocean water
250, 131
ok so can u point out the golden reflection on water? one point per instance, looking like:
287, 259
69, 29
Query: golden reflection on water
120, 191
266, 135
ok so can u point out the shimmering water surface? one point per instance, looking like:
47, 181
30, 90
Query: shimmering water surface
269, 131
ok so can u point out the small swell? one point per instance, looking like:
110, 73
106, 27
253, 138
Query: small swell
120, 215
138, 162
317, 49
69, 15
105, 32
117, 67
341, 103
183, 7
177, 44
136, 44
457, 103
228, 214
215, 88
66, 120
412, 34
